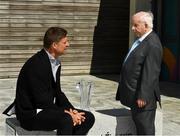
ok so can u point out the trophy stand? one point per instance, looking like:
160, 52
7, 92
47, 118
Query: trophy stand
85, 89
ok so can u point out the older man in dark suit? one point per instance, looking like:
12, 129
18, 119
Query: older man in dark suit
40, 104
139, 81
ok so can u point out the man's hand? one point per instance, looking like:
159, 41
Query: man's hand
141, 103
78, 117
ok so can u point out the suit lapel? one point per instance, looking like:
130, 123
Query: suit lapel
133, 52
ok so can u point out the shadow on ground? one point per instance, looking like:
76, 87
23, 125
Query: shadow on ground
170, 89
114, 77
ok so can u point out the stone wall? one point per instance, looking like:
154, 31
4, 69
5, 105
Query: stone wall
90, 23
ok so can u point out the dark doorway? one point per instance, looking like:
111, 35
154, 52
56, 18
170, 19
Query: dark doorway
111, 38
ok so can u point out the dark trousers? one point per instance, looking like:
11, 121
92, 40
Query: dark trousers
50, 119
144, 121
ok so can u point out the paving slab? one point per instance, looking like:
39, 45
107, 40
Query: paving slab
103, 97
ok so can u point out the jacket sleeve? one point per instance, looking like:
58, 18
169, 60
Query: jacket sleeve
150, 74
61, 99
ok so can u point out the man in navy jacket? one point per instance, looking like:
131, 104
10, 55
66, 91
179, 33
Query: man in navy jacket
40, 104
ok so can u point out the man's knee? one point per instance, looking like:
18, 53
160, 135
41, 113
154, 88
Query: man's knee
66, 125
90, 119
67, 120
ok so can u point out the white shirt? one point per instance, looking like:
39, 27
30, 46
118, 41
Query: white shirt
144, 36
55, 63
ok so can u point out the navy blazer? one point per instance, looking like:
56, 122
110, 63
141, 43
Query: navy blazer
36, 89
139, 77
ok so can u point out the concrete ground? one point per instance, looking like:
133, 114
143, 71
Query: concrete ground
103, 97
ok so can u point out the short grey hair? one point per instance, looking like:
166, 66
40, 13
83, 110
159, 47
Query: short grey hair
147, 17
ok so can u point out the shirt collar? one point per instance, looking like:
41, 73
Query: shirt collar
144, 36
52, 59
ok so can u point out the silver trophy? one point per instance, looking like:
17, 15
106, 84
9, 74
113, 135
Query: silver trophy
85, 89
